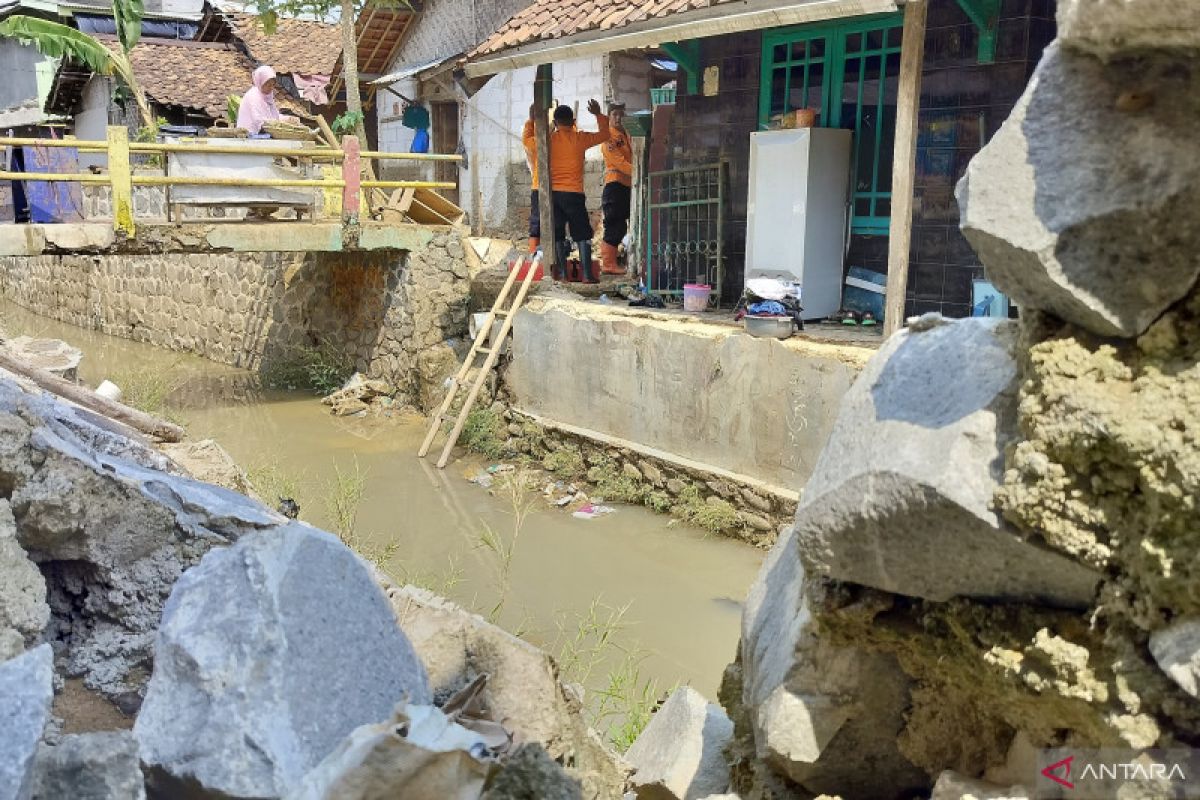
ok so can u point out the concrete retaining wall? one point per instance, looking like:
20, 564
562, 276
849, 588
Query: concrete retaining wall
757, 408
391, 311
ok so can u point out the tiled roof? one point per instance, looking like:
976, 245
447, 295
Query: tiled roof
195, 75
297, 45
554, 19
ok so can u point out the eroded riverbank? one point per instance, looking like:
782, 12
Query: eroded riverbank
682, 588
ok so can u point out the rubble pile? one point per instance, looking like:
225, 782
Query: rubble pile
989, 566
252, 656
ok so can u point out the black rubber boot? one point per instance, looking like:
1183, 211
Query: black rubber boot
562, 249
585, 262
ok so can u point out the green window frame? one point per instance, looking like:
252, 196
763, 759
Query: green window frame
831, 52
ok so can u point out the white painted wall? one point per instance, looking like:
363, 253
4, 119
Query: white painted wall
91, 120
496, 184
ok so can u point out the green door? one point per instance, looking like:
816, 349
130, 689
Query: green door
849, 71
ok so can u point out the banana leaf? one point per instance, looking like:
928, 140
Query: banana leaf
56, 40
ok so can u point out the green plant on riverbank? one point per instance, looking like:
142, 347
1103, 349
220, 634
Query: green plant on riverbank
517, 489
713, 515
624, 706
343, 496
272, 484
148, 390
483, 433
322, 368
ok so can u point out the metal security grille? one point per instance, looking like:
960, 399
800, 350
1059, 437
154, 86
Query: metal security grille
685, 227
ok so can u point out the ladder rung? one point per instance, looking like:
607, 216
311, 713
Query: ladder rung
448, 417
484, 350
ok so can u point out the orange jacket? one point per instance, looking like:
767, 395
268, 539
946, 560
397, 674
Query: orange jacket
529, 139
618, 158
567, 149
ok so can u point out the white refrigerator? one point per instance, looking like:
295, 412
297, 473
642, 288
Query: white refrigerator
796, 212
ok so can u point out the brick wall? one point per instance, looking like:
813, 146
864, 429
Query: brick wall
708, 129
962, 104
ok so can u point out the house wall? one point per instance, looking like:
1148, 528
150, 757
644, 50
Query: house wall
91, 120
18, 65
495, 185
446, 28
962, 103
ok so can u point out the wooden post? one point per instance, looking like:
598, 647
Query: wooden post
904, 156
543, 93
352, 175
120, 176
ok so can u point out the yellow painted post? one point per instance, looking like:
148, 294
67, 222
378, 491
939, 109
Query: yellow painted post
121, 178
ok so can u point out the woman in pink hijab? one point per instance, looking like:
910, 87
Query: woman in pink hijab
258, 103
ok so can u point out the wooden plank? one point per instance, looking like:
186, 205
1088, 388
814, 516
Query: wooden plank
121, 178
481, 336
430, 208
83, 396
904, 157
543, 93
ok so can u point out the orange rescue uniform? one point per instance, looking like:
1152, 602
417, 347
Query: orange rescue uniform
618, 159
567, 149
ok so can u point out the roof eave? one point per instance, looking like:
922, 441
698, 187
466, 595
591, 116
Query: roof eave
709, 21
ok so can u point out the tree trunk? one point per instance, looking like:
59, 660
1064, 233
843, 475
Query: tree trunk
124, 70
350, 71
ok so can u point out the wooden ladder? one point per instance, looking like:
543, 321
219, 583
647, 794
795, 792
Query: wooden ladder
492, 353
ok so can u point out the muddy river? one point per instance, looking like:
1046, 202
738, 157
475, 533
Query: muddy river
680, 589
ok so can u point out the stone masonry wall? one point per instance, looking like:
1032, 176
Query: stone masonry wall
391, 311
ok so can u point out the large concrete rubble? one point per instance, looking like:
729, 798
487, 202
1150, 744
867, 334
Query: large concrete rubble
260, 657
270, 652
1001, 534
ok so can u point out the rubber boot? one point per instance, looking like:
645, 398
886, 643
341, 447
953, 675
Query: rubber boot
608, 260
533, 244
585, 262
562, 249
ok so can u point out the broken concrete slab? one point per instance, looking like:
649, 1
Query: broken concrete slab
1107, 29
90, 766
53, 355
24, 613
952, 786
522, 690
1176, 650
26, 689
419, 754
902, 496
111, 525
1082, 203
529, 773
681, 751
814, 708
270, 652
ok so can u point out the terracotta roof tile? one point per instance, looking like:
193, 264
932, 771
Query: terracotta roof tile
553, 19
191, 74
297, 45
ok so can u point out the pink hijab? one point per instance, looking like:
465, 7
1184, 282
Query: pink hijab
257, 106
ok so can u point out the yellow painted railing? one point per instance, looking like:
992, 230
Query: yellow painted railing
122, 180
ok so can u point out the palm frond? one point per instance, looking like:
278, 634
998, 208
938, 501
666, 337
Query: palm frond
128, 15
56, 40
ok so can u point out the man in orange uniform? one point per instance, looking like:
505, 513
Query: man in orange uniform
529, 139
618, 183
567, 149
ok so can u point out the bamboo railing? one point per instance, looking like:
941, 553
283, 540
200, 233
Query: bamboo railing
122, 180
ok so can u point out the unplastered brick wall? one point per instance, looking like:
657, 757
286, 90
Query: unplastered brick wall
383, 309
494, 188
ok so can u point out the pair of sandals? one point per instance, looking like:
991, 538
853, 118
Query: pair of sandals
864, 318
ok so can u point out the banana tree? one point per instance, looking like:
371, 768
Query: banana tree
56, 40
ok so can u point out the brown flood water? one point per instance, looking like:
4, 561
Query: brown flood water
683, 589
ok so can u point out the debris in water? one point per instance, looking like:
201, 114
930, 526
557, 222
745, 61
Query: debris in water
482, 479
591, 511
497, 469
288, 507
